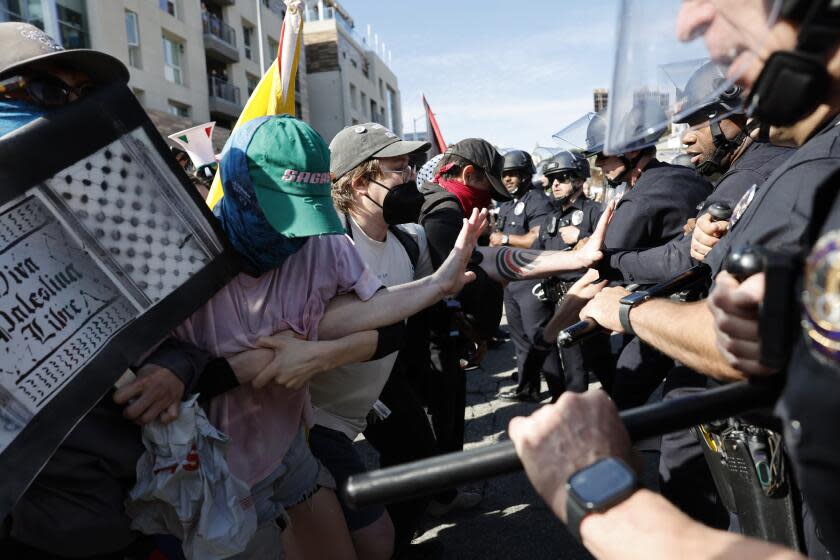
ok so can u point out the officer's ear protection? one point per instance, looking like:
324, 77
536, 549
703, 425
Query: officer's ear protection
792, 83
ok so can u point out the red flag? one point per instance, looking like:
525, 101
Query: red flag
433, 131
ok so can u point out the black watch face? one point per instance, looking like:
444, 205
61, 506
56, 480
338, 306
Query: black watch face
601, 484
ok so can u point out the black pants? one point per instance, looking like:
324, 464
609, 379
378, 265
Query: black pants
525, 316
404, 436
447, 393
639, 371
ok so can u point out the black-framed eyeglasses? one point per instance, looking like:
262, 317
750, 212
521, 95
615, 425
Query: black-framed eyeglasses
47, 91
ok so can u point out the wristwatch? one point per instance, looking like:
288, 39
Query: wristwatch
505, 239
627, 303
597, 488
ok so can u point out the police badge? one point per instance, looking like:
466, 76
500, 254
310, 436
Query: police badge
105, 246
821, 298
577, 217
742, 206
519, 208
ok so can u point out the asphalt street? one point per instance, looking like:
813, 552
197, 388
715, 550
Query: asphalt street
511, 522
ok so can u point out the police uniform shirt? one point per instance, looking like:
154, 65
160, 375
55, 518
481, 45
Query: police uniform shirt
655, 210
810, 402
550, 238
754, 167
520, 215
651, 266
775, 214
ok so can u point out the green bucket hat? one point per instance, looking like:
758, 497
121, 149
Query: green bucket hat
289, 168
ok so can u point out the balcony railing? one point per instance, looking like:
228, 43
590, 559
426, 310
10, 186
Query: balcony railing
222, 89
218, 29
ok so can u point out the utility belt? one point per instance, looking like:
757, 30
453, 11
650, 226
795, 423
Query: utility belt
747, 459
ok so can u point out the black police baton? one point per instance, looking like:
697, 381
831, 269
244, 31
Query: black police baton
582, 330
587, 327
436, 474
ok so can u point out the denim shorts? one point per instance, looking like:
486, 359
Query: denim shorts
335, 450
297, 479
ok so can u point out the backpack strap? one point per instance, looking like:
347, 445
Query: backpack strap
409, 244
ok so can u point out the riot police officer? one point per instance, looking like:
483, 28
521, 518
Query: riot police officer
518, 225
573, 219
793, 89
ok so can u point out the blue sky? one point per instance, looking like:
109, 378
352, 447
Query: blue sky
513, 73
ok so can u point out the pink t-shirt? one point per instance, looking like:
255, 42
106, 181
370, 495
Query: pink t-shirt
262, 422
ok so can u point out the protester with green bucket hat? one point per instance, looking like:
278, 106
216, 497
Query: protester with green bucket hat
278, 215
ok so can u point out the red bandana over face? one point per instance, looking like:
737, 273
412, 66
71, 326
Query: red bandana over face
469, 197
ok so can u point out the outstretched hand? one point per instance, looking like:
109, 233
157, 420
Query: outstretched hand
591, 252
452, 274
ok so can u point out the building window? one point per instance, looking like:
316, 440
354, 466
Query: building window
253, 82
247, 34
374, 113
354, 63
364, 101
172, 51
273, 47
132, 31
381, 89
179, 109
354, 97
11, 10
169, 6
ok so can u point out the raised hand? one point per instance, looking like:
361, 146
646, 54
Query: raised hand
591, 253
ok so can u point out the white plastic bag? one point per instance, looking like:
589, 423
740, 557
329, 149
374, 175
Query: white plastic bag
184, 488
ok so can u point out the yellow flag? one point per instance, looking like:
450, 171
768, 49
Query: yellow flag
275, 94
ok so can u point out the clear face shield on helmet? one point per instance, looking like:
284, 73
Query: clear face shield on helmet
661, 44
585, 135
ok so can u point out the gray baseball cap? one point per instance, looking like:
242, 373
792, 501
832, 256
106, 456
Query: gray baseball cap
358, 143
23, 45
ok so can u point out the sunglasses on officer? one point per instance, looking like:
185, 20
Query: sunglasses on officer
563, 177
46, 91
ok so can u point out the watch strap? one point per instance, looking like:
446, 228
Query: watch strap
624, 308
575, 513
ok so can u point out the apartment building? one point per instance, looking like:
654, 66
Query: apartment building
191, 61
349, 81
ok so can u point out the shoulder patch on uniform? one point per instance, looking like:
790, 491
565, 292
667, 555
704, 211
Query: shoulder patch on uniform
821, 298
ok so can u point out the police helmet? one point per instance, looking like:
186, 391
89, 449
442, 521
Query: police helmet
596, 134
702, 92
567, 162
519, 160
639, 128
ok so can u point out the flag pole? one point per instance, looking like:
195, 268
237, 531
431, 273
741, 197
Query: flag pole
260, 35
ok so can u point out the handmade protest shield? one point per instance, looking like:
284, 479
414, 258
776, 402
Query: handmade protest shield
104, 247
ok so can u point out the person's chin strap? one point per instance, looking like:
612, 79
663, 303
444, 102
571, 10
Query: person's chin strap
723, 147
629, 165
